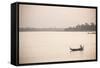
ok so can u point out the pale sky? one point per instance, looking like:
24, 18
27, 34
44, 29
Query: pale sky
36, 16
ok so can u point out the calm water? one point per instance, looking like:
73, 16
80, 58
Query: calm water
36, 47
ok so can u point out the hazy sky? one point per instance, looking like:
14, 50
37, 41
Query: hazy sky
51, 16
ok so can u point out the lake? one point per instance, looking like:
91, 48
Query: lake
49, 46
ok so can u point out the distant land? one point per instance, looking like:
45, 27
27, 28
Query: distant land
82, 27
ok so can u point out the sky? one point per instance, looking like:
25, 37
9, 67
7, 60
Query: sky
36, 16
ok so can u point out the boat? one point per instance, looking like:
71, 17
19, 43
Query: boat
81, 48
91, 32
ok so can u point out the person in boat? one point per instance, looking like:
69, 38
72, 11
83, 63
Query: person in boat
81, 46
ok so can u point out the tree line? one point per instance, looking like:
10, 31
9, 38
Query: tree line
82, 27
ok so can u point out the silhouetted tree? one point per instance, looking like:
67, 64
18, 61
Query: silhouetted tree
82, 27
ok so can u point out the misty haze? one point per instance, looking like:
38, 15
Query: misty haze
51, 34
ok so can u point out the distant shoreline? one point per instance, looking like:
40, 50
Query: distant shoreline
52, 29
